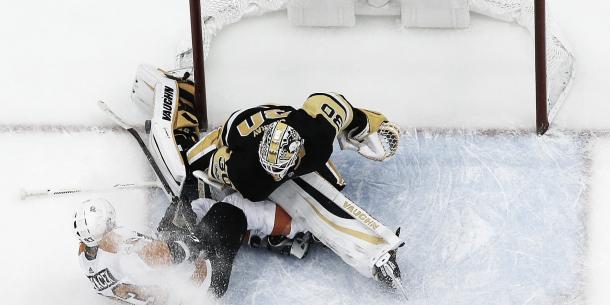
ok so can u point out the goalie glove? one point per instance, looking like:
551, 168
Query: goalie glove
379, 146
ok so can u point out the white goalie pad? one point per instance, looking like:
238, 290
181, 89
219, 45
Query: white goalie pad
352, 239
143, 89
453, 14
155, 91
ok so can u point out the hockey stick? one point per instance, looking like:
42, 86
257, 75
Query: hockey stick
175, 199
25, 194
142, 145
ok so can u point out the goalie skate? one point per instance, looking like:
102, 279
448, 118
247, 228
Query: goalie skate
297, 246
387, 271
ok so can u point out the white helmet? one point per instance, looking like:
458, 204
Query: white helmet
92, 220
279, 149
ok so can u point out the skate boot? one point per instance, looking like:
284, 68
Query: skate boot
387, 272
297, 247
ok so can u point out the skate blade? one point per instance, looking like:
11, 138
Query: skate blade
401, 288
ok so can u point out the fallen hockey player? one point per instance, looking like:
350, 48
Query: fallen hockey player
282, 154
132, 267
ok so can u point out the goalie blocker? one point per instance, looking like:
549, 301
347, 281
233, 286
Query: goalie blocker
173, 127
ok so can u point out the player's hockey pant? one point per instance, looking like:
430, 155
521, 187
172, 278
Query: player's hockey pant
349, 238
221, 232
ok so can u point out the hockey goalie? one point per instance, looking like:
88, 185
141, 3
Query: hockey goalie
278, 153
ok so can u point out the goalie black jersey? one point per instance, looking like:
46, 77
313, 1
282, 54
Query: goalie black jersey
229, 154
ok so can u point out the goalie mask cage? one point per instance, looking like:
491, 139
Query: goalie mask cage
554, 60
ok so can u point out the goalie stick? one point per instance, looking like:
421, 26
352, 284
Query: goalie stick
175, 199
25, 194
142, 145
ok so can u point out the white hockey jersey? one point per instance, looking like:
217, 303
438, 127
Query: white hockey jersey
123, 275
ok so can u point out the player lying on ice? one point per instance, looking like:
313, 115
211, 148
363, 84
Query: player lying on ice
282, 154
132, 267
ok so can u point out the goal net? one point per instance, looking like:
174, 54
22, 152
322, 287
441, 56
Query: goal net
217, 14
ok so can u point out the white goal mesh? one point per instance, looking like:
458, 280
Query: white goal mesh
560, 59
218, 13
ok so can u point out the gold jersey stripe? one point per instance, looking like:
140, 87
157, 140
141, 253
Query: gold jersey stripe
204, 146
228, 126
218, 170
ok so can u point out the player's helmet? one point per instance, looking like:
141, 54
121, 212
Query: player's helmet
279, 148
92, 220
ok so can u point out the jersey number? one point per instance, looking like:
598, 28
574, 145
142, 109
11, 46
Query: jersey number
333, 115
256, 120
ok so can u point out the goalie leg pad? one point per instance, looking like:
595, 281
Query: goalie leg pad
349, 238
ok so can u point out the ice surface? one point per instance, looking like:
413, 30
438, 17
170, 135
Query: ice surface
486, 219
38, 261
597, 265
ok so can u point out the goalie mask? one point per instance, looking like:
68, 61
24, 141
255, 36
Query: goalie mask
279, 149
92, 220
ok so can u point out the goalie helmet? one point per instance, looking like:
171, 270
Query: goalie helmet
279, 149
92, 220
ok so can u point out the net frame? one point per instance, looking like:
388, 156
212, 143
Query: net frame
555, 62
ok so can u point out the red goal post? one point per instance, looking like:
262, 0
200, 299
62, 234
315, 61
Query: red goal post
198, 70
542, 114
554, 60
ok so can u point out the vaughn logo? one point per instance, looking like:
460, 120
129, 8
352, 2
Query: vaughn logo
168, 97
102, 280
360, 214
